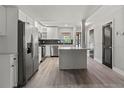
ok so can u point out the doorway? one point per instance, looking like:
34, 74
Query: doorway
107, 44
78, 39
91, 43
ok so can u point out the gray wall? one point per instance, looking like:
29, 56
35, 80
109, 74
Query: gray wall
104, 15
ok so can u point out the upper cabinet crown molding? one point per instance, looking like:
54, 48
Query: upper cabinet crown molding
29, 20
21, 16
3, 20
25, 18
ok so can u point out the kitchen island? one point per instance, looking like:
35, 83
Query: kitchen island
72, 58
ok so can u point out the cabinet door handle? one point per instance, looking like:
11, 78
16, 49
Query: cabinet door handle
14, 58
110, 47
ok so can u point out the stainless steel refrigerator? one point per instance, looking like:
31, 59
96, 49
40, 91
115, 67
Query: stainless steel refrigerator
27, 52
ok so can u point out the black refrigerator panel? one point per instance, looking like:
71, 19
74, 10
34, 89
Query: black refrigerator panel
21, 54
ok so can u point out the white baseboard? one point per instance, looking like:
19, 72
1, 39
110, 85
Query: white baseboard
118, 71
97, 60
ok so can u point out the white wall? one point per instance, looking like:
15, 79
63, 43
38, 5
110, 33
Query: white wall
104, 15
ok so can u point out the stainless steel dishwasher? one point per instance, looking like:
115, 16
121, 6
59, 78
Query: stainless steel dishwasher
54, 51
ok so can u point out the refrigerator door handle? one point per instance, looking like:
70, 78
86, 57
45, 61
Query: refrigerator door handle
32, 46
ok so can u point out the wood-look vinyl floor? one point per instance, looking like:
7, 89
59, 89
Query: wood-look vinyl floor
97, 75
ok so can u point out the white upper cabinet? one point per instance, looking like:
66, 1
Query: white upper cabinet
52, 33
2, 21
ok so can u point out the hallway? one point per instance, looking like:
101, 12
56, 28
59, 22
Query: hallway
97, 75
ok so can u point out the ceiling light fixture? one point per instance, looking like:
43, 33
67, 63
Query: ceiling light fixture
66, 25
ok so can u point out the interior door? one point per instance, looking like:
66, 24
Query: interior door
107, 45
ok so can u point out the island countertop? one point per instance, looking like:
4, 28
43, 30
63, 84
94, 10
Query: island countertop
73, 48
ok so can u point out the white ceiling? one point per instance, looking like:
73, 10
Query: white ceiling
59, 15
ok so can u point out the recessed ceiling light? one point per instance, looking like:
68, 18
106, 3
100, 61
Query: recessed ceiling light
66, 25
87, 23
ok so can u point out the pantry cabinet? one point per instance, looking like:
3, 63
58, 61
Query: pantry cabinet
2, 21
